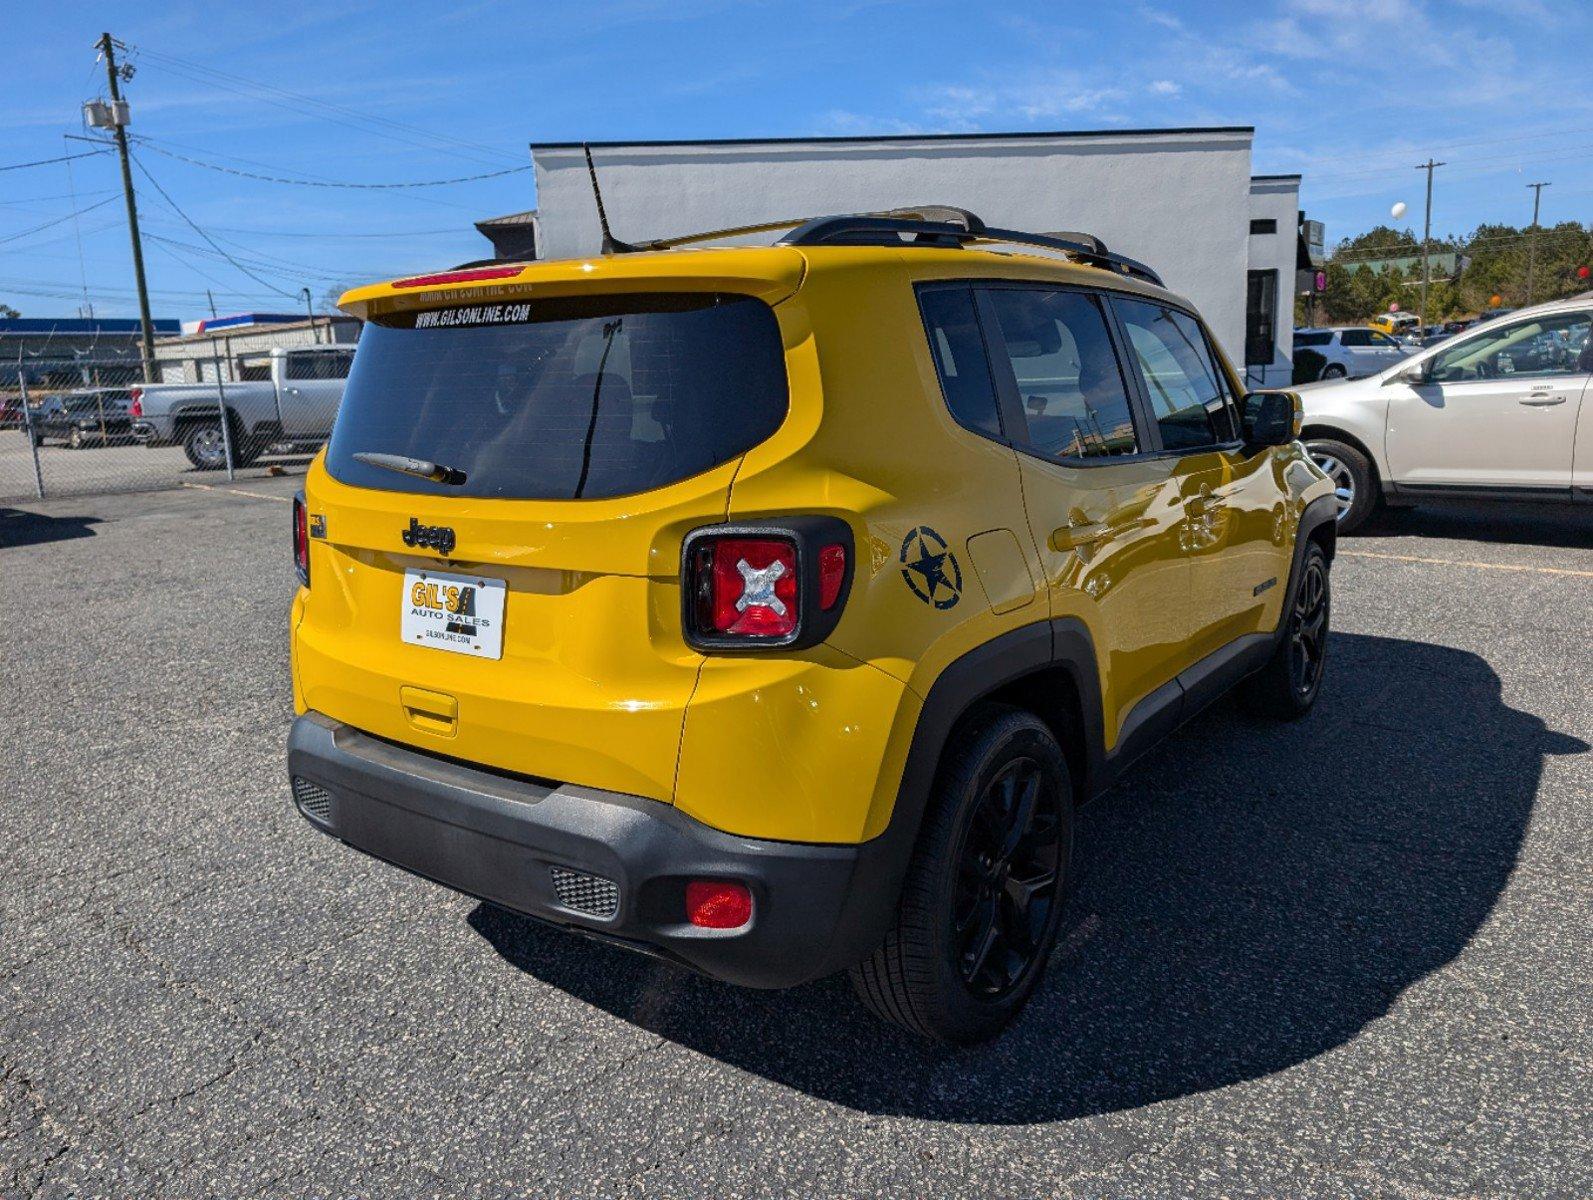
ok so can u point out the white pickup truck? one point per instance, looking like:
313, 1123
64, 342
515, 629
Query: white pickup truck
294, 404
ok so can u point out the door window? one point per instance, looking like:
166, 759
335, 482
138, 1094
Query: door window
1548, 345
1359, 339
1188, 397
1070, 386
959, 351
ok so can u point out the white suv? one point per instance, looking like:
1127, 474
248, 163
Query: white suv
1491, 412
1347, 351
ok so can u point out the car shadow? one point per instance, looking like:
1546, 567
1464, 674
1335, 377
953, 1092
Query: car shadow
19, 527
1250, 897
1562, 526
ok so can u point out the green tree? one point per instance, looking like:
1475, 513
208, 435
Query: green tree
6, 312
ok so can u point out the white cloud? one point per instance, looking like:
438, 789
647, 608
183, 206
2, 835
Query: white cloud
1165, 87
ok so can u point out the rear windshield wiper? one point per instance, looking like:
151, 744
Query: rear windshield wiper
420, 467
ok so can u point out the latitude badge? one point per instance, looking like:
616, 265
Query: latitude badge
930, 569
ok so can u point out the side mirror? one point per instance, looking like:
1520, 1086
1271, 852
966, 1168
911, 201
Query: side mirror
1272, 418
1415, 375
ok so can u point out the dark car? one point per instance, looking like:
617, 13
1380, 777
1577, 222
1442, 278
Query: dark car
85, 418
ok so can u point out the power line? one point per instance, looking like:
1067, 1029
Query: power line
419, 183
338, 114
58, 220
44, 162
299, 233
178, 210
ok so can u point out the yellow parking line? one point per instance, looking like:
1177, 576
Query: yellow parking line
1461, 562
210, 487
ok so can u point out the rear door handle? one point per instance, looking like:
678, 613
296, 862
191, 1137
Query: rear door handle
1071, 537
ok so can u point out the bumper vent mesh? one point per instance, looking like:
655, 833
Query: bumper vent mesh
590, 894
313, 799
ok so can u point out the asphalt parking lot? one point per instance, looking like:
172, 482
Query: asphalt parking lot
1348, 957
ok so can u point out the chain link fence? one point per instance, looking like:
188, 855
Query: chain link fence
85, 426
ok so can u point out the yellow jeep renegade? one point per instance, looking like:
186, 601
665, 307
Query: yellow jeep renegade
771, 609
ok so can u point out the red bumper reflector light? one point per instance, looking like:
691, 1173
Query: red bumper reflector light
832, 574
712, 904
458, 276
136, 407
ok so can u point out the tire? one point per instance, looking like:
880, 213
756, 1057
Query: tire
979, 872
1287, 687
1354, 481
1334, 371
205, 447
247, 447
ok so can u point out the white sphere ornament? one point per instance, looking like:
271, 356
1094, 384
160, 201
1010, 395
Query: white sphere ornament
1398, 210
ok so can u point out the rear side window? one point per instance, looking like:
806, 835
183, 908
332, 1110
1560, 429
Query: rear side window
1069, 384
958, 348
576, 398
1188, 399
320, 365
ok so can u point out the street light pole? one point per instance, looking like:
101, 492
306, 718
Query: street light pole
108, 49
1427, 234
1532, 235
309, 307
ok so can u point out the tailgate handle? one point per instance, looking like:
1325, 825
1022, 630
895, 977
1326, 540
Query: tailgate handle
430, 712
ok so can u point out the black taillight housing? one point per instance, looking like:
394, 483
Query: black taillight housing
777, 583
301, 539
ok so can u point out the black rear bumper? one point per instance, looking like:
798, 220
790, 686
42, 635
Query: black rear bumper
608, 865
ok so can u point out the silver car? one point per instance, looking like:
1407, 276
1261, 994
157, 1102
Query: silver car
1348, 351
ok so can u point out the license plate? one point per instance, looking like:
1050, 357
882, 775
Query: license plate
459, 613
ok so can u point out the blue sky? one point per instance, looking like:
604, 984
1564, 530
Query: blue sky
1349, 94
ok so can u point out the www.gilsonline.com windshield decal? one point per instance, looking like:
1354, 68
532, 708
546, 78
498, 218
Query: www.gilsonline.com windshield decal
475, 314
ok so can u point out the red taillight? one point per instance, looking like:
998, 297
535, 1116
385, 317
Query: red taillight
832, 574
469, 276
713, 904
769, 584
752, 587
135, 406
301, 540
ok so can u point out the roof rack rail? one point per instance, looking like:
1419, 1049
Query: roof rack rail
870, 229
923, 212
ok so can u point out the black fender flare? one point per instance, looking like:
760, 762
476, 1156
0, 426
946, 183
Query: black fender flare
883, 860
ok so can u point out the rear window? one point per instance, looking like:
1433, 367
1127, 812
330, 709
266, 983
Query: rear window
576, 398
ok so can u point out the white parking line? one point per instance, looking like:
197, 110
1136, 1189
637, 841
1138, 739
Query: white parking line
1461, 562
230, 491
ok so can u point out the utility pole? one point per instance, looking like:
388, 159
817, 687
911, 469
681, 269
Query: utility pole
108, 49
1532, 235
1427, 235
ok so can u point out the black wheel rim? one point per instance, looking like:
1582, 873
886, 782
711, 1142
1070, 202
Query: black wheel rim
1308, 629
1008, 871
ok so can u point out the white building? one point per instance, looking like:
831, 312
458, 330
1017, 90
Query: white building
240, 346
1268, 348
1178, 199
